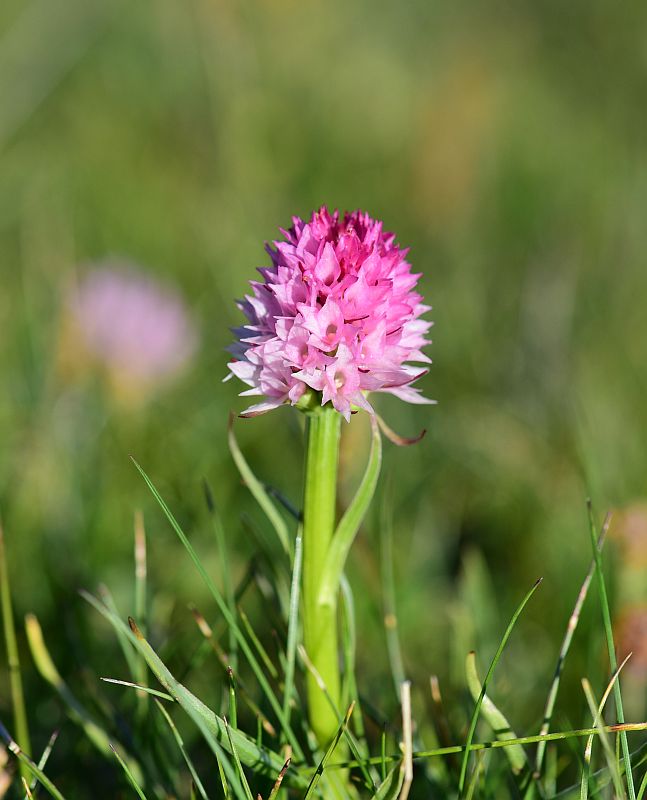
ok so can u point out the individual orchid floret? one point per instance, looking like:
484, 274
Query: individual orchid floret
336, 314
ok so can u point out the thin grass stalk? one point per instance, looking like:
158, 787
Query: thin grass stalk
612, 762
388, 594
13, 659
42, 761
597, 721
628, 727
293, 627
566, 644
33, 768
613, 661
353, 744
225, 571
495, 660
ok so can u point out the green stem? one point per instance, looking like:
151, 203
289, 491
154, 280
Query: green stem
320, 620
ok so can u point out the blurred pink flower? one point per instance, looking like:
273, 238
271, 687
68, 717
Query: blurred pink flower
336, 313
134, 327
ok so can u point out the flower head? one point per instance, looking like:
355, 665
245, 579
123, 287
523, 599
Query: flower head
337, 314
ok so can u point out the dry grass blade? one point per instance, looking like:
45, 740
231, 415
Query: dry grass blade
608, 628
407, 739
566, 644
597, 722
277, 784
25, 786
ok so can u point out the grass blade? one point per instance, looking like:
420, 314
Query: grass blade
566, 644
129, 775
42, 761
257, 489
180, 743
350, 522
643, 787
628, 727
596, 713
222, 605
353, 744
293, 627
613, 662
13, 659
390, 787
327, 755
77, 712
239, 766
388, 594
130, 654
33, 769
263, 760
262, 652
495, 661
139, 688
225, 571
496, 719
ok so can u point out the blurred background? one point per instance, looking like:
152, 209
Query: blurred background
147, 152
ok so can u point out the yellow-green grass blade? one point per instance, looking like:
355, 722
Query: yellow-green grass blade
390, 787
13, 658
496, 719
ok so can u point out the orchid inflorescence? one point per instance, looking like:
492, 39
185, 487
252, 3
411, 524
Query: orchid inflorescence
335, 317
